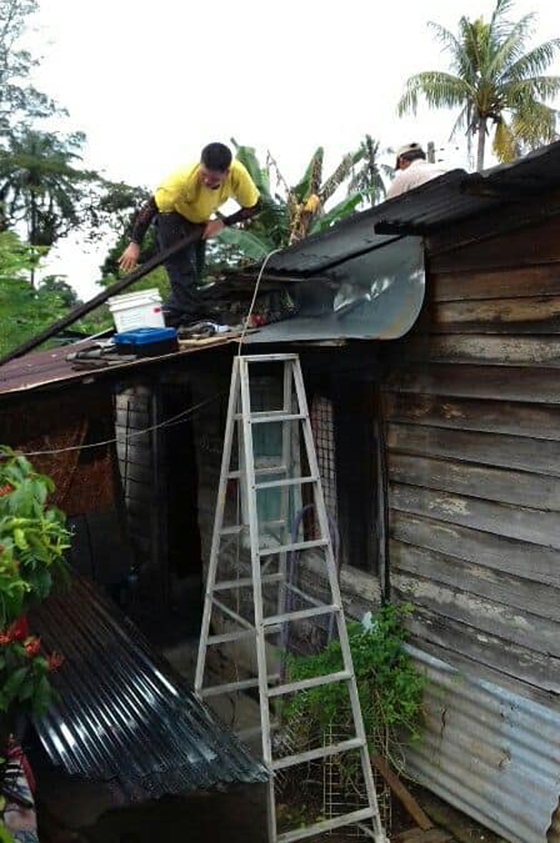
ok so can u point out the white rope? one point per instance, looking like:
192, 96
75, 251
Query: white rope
253, 300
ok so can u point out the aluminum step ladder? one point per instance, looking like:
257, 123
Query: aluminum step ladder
239, 436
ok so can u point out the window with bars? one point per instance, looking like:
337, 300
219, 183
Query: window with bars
342, 419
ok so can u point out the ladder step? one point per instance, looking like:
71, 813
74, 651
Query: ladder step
241, 685
326, 825
268, 358
243, 582
302, 613
253, 731
314, 754
304, 684
270, 469
235, 529
225, 637
283, 548
292, 481
272, 416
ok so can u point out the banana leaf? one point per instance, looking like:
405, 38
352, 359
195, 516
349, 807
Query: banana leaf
249, 244
341, 210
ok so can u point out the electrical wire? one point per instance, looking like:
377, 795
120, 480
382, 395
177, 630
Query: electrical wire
179, 418
254, 299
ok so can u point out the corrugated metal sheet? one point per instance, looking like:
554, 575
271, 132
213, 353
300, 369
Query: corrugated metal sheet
438, 203
122, 714
42, 369
491, 753
378, 295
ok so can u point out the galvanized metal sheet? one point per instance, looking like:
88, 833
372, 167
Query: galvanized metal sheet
454, 196
122, 715
489, 752
378, 295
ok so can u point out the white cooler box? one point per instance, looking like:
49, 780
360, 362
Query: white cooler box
137, 310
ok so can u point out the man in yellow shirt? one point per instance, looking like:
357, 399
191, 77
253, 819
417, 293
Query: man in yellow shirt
182, 203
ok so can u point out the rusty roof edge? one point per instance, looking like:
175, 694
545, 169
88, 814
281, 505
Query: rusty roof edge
119, 370
85, 308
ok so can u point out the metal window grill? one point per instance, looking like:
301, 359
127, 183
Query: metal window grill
322, 424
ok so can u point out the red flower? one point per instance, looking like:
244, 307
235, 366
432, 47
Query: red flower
6, 489
54, 661
33, 647
19, 630
5, 638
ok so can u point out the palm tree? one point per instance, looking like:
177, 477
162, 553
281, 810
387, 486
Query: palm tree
40, 186
494, 80
367, 178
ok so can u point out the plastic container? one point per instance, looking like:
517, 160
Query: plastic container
147, 342
137, 310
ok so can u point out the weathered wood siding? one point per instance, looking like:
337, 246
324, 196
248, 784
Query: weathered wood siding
471, 401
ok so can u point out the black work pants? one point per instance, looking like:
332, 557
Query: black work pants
184, 269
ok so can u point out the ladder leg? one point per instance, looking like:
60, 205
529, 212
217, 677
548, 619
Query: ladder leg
216, 535
257, 593
379, 834
285, 490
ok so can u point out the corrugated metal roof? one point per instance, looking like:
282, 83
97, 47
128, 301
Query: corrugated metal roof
454, 196
376, 296
122, 714
491, 753
41, 369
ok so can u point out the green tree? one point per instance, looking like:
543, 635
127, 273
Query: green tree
24, 311
495, 79
40, 184
17, 96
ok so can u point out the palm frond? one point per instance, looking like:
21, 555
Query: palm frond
534, 62
437, 88
516, 94
500, 25
504, 145
534, 124
463, 121
460, 59
508, 49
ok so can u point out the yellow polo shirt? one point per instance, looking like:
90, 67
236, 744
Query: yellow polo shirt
184, 193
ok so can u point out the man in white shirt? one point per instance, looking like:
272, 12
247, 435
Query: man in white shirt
412, 170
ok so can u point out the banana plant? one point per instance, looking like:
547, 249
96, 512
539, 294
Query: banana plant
290, 213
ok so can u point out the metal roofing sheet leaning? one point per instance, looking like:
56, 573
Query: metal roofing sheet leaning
491, 753
378, 295
122, 714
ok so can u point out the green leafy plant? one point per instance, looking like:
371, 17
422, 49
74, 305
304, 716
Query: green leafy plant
389, 686
33, 542
33, 537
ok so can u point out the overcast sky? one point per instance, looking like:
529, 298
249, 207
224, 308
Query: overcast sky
150, 84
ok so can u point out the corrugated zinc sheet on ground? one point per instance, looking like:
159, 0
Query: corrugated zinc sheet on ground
488, 752
122, 714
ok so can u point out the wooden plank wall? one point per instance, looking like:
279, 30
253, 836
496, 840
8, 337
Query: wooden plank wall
472, 407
